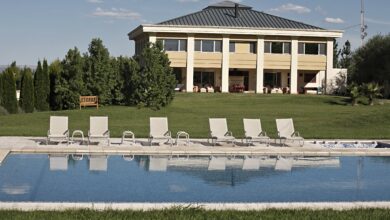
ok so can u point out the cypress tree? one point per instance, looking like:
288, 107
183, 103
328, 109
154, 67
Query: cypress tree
40, 89
9, 101
26, 101
46, 84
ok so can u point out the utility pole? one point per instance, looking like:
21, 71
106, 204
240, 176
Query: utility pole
363, 26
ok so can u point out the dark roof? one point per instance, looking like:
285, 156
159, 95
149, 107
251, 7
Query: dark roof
223, 15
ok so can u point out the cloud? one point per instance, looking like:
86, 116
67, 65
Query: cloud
291, 8
116, 13
95, 1
320, 10
334, 20
375, 21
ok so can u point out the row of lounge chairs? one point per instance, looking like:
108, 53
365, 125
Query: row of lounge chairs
159, 131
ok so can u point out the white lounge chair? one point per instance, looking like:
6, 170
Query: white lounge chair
286, 131
159, 130
219, 131
254, 132
98, 129
58, 129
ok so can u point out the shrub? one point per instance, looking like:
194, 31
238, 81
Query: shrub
354, 92
9, 101
26, 100
372, 91
153, 85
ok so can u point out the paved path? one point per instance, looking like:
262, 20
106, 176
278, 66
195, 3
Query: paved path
30, 145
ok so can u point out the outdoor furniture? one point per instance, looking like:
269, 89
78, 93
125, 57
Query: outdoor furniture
184, 136
58, 129
219, 131
98, 162
286, 131
58, 162
78, 132
217, 163
209, 88
89, 101
98, 128
251, 163
254, 132
158, 163
128, 135
159, 130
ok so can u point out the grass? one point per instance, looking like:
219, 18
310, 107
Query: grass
314, 116
358, 214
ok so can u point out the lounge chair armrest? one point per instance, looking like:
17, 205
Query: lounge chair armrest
106, 133
89, 133
66, 132
168, 133
263, 133
279, 134
295, 134
229, 133
48, 132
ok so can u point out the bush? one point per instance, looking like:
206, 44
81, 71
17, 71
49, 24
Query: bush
370, 63
354, 92
153, 85
9, 101
40, 89
26, 100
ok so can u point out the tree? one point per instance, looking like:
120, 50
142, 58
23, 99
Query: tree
346, 55
99, 75
55, 69
354, 92
26, 100
46, 83
70, 84
40, 89
370, 63
154, 83
127, 67
9, 101
336, 54
372, 91
17, 74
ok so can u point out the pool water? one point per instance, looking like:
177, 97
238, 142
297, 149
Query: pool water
67, 178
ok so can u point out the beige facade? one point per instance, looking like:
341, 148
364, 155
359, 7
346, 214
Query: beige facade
294, 61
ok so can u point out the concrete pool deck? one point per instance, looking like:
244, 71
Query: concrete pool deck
63, 206
36, 145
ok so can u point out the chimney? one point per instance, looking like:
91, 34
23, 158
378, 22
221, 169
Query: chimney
236, 10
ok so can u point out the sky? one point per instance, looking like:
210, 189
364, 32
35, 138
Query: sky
32, 30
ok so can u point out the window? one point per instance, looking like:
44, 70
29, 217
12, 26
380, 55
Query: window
208, 45
203, 79
232, 47
252, 47
312, 48
174, 45
309, 77
277, 47
267, 47
322, 49
272, 80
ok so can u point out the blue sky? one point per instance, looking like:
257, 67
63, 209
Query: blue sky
32, 30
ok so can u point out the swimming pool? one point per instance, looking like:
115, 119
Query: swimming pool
101, 178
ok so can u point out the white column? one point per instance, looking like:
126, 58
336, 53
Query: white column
225, 64
190, 63
329, 62
294, 67
260, 65
152, 38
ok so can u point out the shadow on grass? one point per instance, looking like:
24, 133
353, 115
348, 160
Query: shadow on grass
339, 101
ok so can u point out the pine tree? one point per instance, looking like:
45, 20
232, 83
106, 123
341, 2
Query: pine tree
26, 101
9, 101
154, 84
70, 84
46, 85
55, 100
99, 77
40, 89
346, 55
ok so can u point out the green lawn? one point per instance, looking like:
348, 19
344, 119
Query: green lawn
359, 214
314, 116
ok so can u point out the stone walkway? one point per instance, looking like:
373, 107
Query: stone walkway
30, 145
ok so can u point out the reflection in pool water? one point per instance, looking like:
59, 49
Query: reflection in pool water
128, 178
